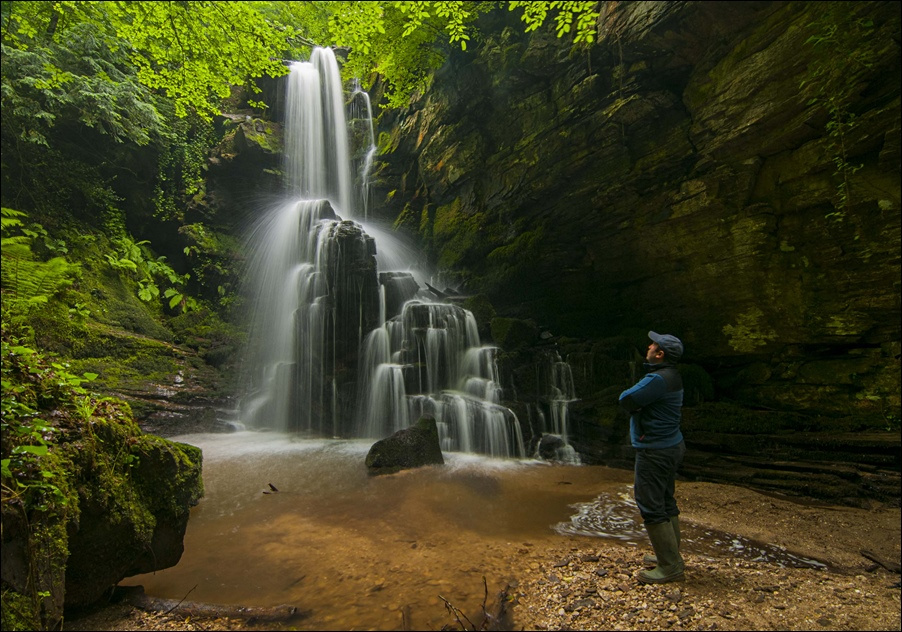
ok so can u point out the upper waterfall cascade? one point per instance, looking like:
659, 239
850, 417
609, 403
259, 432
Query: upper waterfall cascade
338, 347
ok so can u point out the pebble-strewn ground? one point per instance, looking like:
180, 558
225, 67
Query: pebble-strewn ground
580, 589
586, 583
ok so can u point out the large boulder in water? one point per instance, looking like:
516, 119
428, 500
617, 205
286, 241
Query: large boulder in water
549, 445
411, 447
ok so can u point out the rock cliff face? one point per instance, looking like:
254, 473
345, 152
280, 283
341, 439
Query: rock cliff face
727, 172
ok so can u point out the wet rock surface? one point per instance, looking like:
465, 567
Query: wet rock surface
699, 124
408, 448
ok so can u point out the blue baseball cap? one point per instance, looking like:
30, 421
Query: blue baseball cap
671, 345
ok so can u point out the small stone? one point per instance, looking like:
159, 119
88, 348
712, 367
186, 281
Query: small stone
601, 572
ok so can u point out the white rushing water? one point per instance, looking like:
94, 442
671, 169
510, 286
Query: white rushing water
345, 339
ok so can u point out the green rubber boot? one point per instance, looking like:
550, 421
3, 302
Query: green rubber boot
651, 561
670, 563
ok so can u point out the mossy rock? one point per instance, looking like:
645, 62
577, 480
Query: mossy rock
18, 611
698, 386
411, 447
483, 311
100, 500
512, 333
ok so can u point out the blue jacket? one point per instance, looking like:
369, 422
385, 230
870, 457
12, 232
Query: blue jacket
655, 405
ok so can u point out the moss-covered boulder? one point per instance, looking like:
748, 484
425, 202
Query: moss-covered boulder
411, 447
88, 498
513, 333
140, 526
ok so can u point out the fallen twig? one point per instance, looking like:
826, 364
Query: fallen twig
490, 621
183, 599
457, 615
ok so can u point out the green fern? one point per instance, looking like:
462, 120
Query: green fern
26, 282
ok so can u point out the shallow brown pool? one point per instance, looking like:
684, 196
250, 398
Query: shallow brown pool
361, 552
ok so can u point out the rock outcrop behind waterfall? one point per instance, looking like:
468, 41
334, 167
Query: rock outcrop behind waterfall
726, 172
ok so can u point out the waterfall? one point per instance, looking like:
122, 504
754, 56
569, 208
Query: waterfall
428, 359
344, 341
311, 306
361, 122
557, 378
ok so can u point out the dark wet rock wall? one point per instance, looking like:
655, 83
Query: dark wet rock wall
727, 172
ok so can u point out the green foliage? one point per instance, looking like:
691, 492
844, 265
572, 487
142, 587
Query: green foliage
137, 259
27, 282
19, 612
70, 107
193, 52
196, 51
749, 333
403, 42
78, 78
183, 166
34, 490
578, 18
212, 255
844, 47
26, 437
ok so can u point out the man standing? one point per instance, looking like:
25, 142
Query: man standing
655, 406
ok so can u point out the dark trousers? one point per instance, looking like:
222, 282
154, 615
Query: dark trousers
654, 482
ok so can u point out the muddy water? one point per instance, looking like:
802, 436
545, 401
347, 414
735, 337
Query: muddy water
387, 552
363, 552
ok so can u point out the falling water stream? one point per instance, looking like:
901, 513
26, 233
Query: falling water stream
346, 340
346, 347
